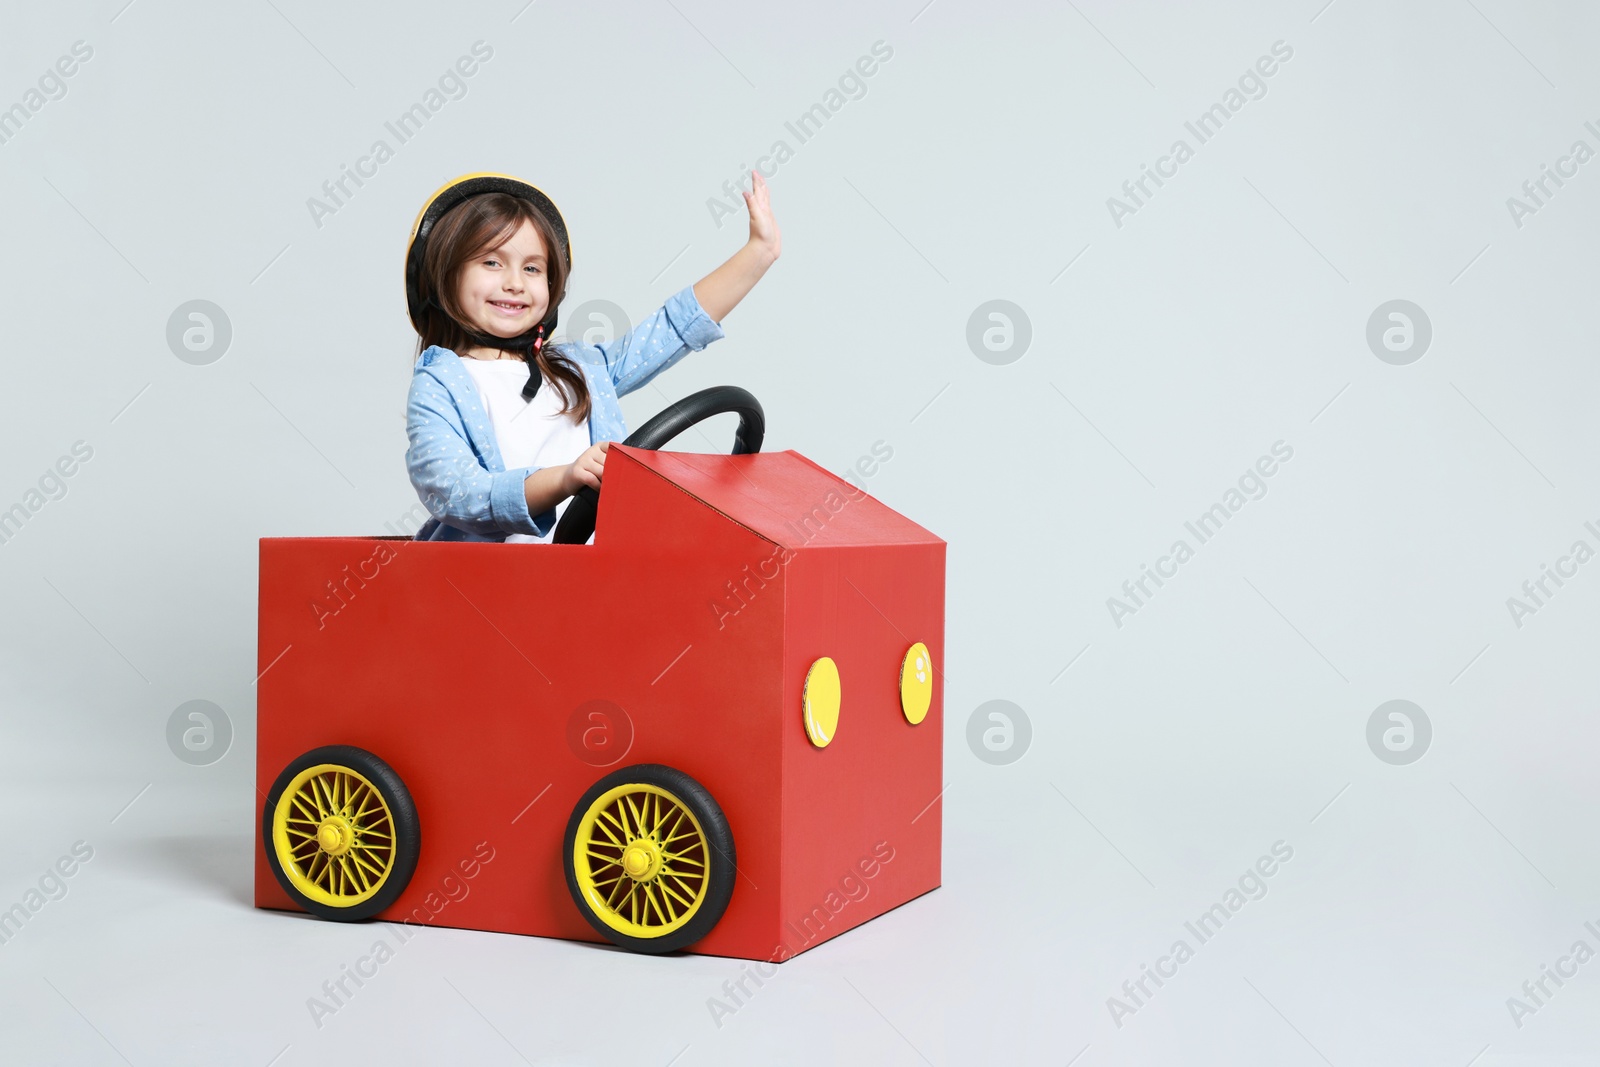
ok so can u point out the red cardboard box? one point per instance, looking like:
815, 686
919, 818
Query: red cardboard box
502, 681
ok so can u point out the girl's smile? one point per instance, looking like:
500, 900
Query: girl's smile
505, 291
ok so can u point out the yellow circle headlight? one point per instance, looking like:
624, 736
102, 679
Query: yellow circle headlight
916, 683
820, 701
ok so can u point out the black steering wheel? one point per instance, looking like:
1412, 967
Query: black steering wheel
577, 521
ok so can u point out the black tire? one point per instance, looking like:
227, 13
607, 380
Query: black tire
406, 830
721, 869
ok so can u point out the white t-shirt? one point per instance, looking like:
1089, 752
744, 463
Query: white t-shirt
530, 434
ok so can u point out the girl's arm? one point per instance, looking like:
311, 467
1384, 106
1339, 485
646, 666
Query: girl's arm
453, 485
672, 331
721, 290
687, 321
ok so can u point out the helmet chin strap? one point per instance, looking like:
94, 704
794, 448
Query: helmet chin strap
523, 344
519, 344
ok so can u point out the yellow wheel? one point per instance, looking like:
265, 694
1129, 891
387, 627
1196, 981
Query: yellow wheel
649, 858
341, 833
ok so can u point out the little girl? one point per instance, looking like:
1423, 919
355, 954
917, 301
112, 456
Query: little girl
505, 428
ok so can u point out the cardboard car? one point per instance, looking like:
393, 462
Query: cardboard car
718, 727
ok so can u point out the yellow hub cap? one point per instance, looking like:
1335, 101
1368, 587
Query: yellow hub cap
641, 859
334, 835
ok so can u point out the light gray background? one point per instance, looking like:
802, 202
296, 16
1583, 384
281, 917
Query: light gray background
1227, 314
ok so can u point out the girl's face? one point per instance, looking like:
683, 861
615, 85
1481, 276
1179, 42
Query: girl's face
504, 292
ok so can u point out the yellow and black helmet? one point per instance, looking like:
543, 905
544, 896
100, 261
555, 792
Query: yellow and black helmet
448, 196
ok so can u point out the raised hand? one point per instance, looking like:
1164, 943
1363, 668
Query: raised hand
763, 227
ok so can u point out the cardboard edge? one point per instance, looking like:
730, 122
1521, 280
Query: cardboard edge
757, 534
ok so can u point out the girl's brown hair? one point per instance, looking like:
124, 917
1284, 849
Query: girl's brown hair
467, 231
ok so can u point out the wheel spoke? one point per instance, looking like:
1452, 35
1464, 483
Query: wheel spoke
672, 915
684, 885
356, 817
637, 818
362, 862
624, 809
376, 860
366, 884
652, 902
362, 793
306, 805
608, 833
679, 857
330, 789
668, 891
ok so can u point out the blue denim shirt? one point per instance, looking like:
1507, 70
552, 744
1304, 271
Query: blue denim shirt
454, 459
